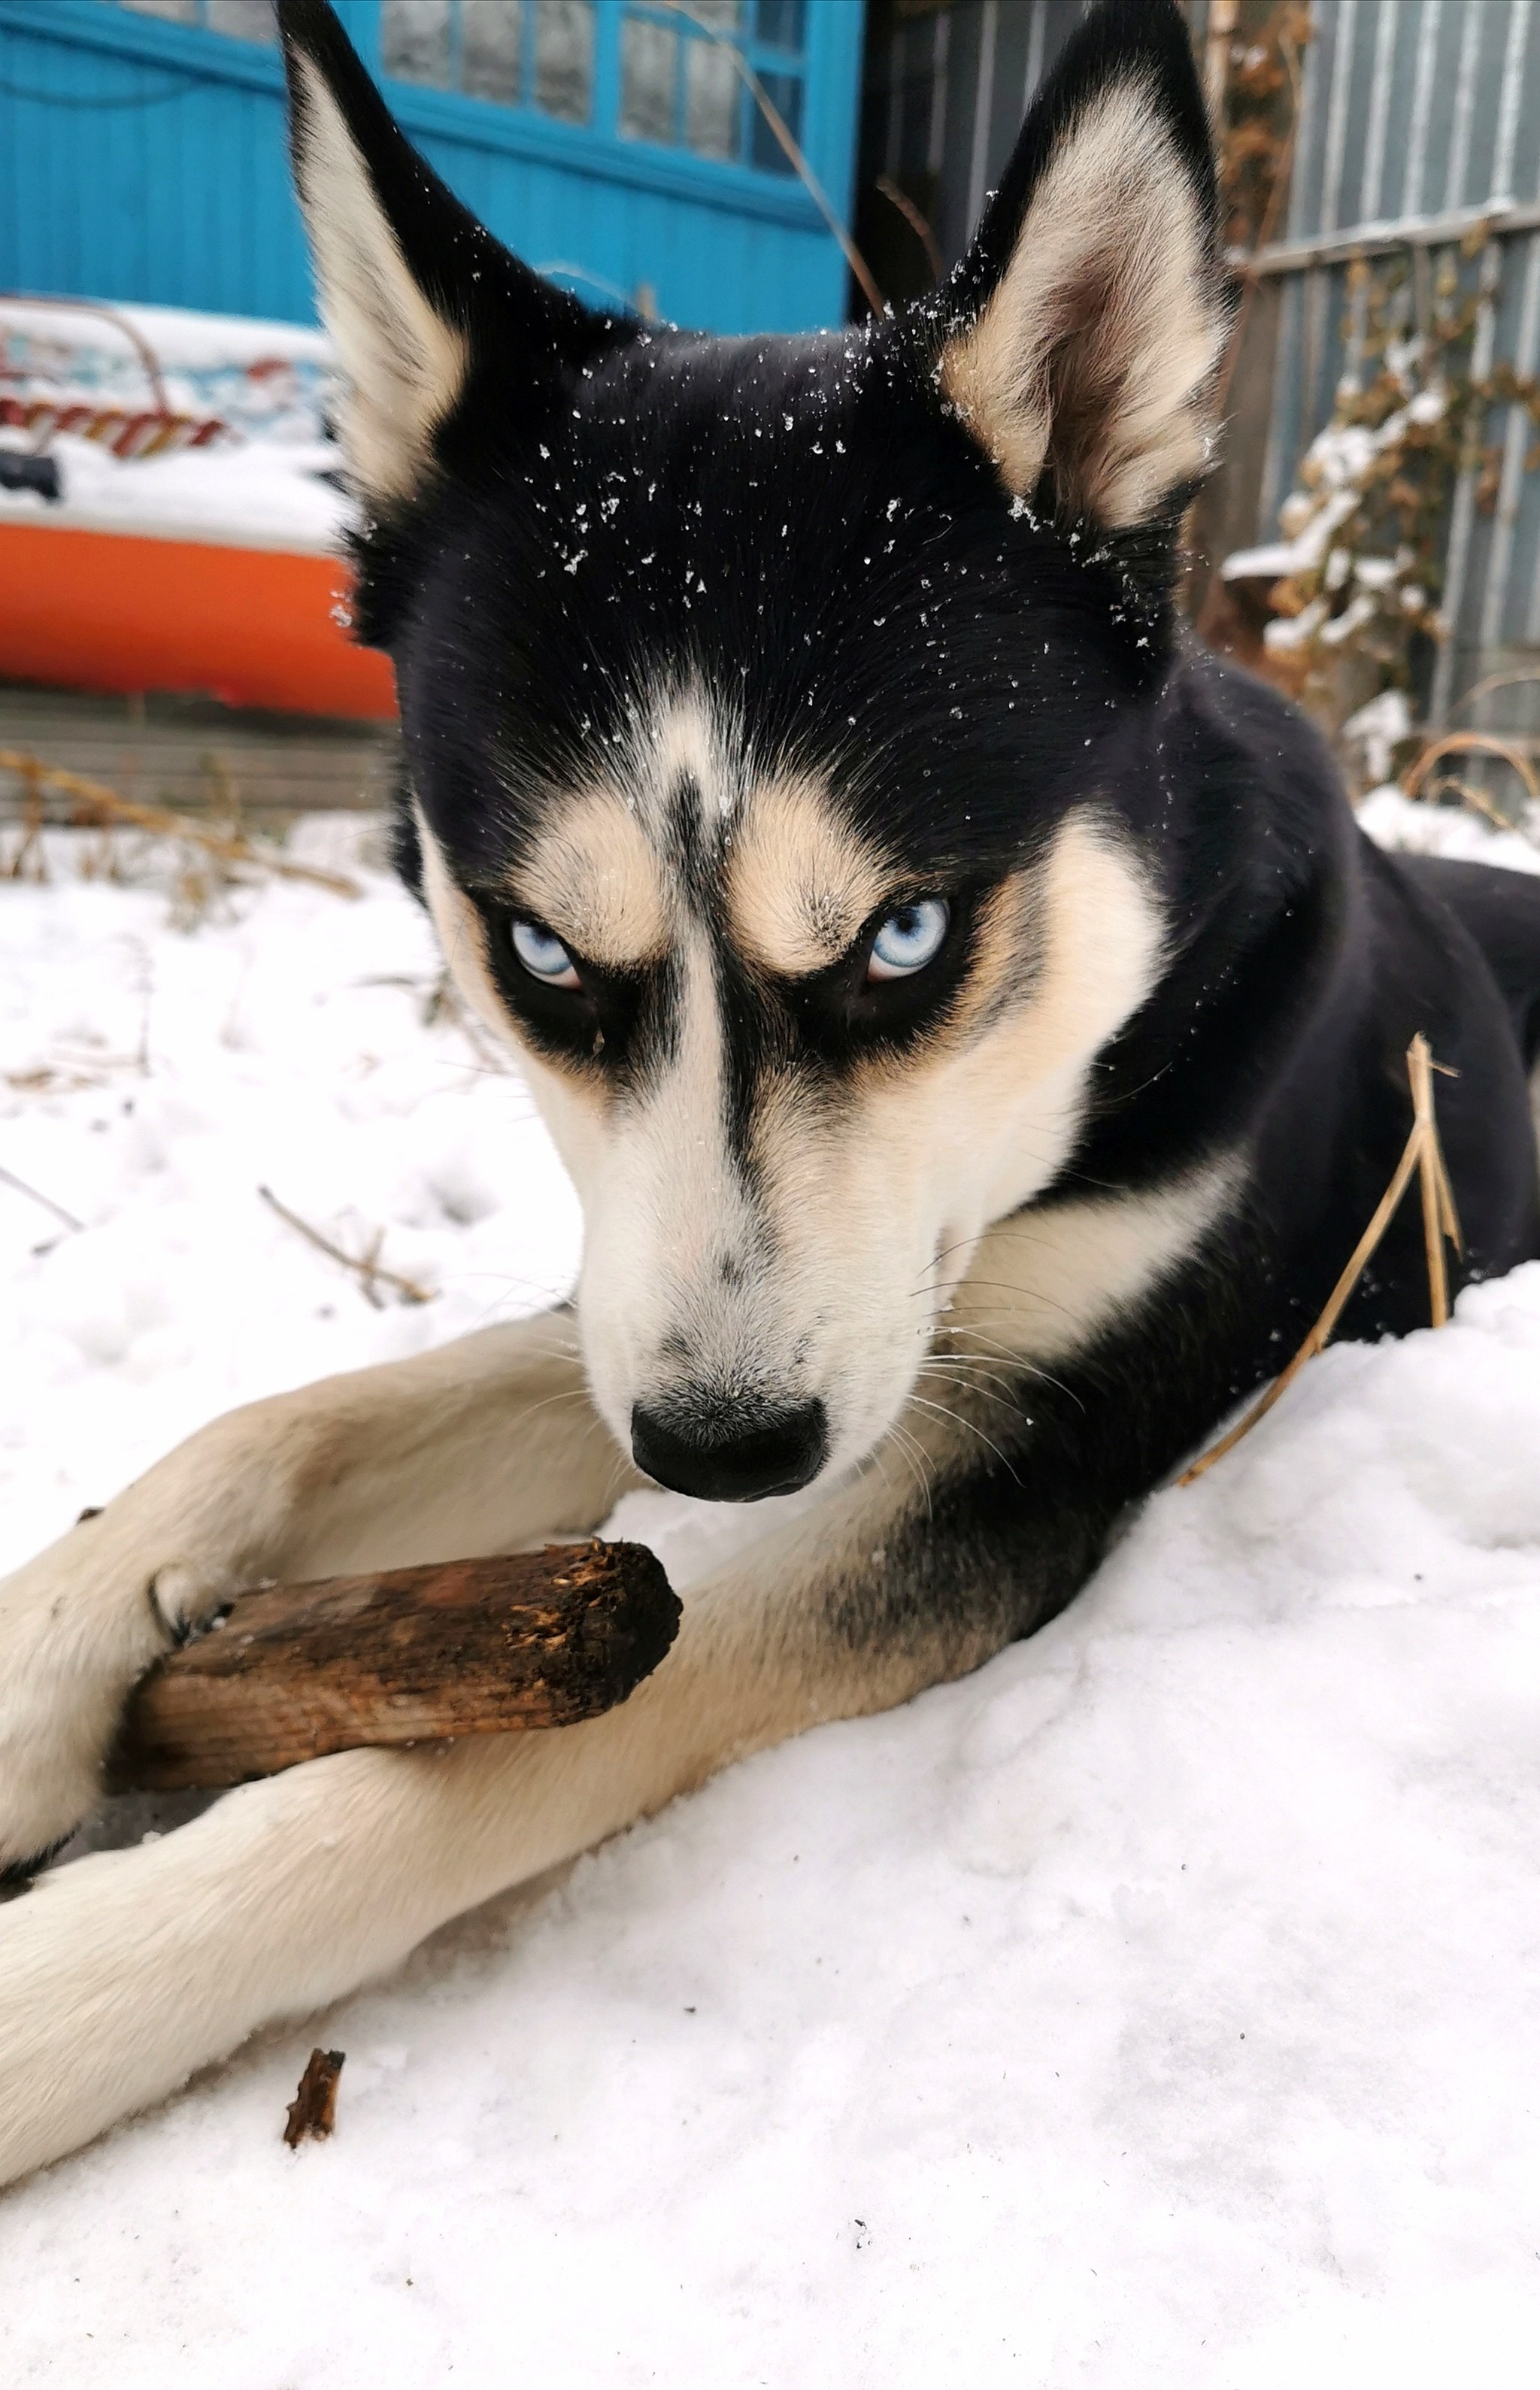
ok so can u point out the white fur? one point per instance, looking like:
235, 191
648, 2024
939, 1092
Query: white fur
835, 1285
1096, 352
405, 366
1043, 1284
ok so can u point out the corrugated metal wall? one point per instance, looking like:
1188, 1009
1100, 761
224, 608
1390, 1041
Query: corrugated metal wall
1421, 110
946, 86
946, 89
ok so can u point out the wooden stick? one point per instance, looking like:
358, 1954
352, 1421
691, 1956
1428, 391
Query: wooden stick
409, 1655
1216, 63
1423, 1152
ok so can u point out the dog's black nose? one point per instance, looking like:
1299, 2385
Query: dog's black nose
773, 1453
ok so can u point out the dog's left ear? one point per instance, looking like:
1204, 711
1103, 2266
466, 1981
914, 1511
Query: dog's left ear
417, 296
1082, 331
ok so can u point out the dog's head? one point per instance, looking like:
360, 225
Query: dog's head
773, 714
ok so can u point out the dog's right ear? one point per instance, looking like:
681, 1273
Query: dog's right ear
416, 295
1082, 329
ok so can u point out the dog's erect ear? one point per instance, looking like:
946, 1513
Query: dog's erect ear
1081, 331
416, 295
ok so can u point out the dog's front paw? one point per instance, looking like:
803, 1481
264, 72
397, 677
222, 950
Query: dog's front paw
78, 1626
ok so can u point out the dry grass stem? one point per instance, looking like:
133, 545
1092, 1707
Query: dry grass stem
1479, 803
1472, 742
919, 225
1440, 1220
68, 1075
32, 827
103, 804
1423, 1154
10, 1178
1521, 679
366, 1267
786, 140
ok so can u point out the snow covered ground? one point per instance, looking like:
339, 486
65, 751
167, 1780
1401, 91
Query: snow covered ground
1158, 2007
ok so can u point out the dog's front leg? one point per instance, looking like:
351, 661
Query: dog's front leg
475, 1447
122, 1972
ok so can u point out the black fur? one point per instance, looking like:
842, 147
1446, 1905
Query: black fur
799, 526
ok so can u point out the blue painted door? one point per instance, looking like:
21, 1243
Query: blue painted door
626, 146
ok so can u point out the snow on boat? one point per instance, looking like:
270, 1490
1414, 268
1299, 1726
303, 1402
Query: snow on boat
169, 515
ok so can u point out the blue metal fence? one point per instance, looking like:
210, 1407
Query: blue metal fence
612, 141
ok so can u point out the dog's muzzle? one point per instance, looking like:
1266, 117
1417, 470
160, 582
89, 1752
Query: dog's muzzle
718, 1459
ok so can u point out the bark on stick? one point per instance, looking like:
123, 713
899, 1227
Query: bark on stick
407, 1656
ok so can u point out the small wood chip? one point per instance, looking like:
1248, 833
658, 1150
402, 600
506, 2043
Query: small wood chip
312, 2110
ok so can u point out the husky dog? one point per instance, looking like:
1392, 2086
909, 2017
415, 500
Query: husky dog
975, 1027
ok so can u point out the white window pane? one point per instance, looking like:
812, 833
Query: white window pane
181, 12
416, 40
245, 20
726, 15
648, 62
492, 41
712, 90
564, 58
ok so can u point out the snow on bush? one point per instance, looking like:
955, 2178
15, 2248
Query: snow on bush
1358, 574
1357, 566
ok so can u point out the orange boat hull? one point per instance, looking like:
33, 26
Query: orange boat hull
113, 610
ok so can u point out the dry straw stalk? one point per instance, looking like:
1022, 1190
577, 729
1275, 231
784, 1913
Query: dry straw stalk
1423, 1155
1472, 742
107, 805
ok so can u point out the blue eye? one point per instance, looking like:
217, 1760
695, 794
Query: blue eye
910, 938
544, 958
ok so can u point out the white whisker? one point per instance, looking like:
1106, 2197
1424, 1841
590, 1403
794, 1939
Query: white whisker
943, 1411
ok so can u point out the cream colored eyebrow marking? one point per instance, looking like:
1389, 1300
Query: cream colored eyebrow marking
800, 880
593, 878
